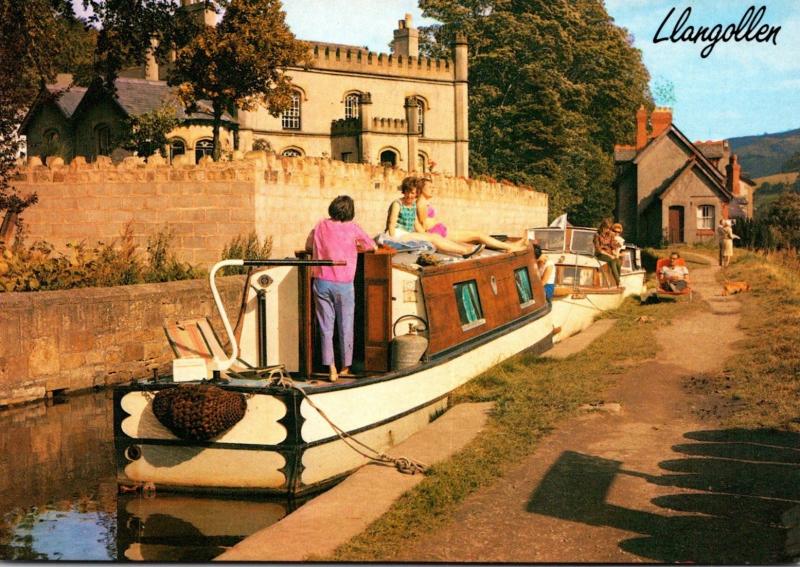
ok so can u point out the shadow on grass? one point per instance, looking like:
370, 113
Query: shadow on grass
743, 481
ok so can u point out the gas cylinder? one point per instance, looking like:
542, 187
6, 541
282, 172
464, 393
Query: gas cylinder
407, 350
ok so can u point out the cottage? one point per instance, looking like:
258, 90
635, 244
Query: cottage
669, 189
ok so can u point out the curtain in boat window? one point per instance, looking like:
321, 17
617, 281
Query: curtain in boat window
468, 302
523, 282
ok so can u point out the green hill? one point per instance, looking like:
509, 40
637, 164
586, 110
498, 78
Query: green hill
765, 154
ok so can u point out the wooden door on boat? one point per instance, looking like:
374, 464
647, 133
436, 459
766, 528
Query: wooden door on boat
373, 325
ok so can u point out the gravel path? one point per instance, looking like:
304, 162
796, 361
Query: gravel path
645, 481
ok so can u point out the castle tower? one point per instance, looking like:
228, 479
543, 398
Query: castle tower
406, 39
461, 107
201, 10
412, 121
365, 116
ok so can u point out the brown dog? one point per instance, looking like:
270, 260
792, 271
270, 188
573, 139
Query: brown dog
731, 288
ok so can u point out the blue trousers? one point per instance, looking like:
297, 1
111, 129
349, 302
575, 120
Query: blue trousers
335, 303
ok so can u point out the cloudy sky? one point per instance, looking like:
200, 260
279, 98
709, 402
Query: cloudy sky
740, 89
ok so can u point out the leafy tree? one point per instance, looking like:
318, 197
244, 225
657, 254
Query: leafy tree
147, 133
554, 84
783, 217
239, 63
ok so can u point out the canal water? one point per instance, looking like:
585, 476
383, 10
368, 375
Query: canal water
59, 501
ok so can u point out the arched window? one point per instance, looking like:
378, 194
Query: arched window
51, 136
421, 117
177, 147
352, 104
102, 140
292, 152
422, 162
203, 148
290, 120
389, 158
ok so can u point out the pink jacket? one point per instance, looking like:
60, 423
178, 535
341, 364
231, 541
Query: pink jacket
334, 240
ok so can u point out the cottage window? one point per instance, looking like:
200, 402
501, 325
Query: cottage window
469, 305
203, 148
102, 136
522, 279
351, 105
176, 148
290, 120
705, 217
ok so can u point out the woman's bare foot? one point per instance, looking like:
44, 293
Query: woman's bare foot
345, 371
332, 375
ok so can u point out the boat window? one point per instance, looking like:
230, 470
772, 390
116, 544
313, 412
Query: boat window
469, 304
523, 282
626, 259
577, 276
583, 242
550, 238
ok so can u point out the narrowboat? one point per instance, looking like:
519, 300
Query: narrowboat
585, 286
258, 415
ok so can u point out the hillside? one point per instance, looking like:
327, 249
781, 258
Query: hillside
765, 154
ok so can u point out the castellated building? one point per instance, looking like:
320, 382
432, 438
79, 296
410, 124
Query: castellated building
349, 104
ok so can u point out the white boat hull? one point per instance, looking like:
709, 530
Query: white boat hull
575, 312
283, 445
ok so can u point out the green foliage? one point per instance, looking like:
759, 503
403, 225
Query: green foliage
553, 86
792, 164
39, 267
239, 63
147, 133
247, 247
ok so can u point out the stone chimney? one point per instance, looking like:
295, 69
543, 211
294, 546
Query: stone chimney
641, 128
733, 171
661, 120
151, 64
406, 39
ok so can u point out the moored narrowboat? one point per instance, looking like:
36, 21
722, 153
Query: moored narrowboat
263, 419
584, 285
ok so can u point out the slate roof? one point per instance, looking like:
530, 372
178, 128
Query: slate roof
139, 96
712, 149
69, 99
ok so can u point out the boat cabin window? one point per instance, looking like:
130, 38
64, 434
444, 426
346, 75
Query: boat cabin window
550, 238
469, 305
583, 242
522, 280
577, 276
626, 259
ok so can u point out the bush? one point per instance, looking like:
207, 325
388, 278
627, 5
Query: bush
38, 267
247, 247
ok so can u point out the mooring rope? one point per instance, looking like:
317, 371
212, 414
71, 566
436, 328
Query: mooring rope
404, 465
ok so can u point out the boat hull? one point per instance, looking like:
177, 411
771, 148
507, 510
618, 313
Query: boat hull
575, 312
633, 282
283, 445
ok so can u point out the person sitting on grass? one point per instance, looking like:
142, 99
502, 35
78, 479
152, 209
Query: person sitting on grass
673, 276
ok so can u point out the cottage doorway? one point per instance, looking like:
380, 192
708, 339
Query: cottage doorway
675, 225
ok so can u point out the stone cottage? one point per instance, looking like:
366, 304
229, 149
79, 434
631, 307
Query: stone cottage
670, 189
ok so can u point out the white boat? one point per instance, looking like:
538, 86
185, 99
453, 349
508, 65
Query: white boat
476, 313
585, 287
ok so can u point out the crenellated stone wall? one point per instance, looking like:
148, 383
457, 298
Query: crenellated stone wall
208, 204
82, 338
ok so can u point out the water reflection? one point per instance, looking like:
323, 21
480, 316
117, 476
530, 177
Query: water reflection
58, 495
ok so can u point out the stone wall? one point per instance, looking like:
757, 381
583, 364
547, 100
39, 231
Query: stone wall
208, 204
78, 339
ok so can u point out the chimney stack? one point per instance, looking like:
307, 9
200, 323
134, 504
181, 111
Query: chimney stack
661, 119
406, 39
733, 171
641, 128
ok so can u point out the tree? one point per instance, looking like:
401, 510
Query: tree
147, 133
554, 84
783, 218
240, 63
28, 58
791, 164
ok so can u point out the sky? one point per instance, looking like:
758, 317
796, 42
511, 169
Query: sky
740, 89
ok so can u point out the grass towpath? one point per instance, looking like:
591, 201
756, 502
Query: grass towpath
667, 478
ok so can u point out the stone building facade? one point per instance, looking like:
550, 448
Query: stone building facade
349, 104
670, 189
